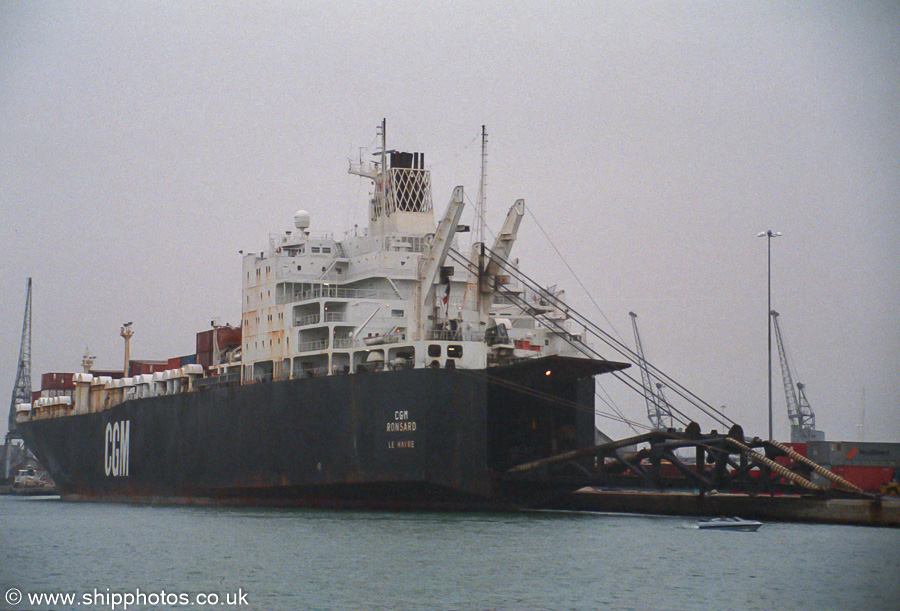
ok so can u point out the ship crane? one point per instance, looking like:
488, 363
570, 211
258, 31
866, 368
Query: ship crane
658, 412
800, 414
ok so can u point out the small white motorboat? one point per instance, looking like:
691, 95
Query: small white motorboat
732, 523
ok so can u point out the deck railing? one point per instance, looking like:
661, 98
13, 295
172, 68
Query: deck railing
319, 344
324, 292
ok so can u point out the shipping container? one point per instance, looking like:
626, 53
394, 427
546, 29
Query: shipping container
177, 362
57, 381
854, 453
229, 337
204, 341
226, 339
869, 479
799, 448
139, 367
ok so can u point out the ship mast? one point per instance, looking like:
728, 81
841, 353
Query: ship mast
481, 208
126, 332
380, 191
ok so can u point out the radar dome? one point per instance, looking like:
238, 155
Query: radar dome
301, 220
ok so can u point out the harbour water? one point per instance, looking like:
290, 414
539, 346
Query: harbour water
260, 558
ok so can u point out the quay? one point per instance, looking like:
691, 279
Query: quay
765, 507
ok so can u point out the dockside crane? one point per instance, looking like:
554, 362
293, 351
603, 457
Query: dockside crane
658, 412
800, 414
21, 393
664, 405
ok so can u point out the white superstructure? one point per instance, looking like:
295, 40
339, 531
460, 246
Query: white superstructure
388, 297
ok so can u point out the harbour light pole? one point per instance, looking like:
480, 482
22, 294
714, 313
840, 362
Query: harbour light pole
769, 234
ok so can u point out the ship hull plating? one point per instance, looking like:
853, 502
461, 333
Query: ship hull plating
423, 438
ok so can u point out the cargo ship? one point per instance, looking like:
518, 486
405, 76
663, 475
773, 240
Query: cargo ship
385, 368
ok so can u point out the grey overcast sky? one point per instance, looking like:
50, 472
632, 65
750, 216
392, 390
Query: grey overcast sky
143, 144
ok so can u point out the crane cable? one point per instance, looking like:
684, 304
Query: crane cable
579, 346
620, 347
625, 378
462, 260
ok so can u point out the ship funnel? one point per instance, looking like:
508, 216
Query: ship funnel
410, 187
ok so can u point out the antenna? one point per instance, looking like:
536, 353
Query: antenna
87, 361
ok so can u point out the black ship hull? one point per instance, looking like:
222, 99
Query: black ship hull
419, 438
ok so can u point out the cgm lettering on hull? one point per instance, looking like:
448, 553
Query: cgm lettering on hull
116, 444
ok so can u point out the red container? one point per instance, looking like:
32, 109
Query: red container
869, 479
204, 341
57, 381
226, 338
140, 367
229, 337
799, 448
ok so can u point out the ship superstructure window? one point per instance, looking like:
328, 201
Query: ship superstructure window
434, 350
326, 249
397, 313
454, 352
314, 249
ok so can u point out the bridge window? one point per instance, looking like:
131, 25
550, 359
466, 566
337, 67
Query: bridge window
454, 352
434, 350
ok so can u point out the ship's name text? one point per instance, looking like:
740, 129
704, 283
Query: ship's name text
401, 423
116, 448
